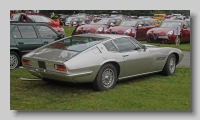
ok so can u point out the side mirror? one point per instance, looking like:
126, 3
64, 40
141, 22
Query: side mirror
61, 36
144, 47
111, 24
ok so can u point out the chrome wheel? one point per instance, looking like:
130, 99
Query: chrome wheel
13, 61
172, 64
107, 78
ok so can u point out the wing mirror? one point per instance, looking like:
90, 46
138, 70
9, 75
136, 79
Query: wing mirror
144, 47
61, 36
111, 24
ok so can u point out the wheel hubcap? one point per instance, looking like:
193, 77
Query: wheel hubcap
107, 78
13, 61
172, 64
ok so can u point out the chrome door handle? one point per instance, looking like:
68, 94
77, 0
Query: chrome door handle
125, 55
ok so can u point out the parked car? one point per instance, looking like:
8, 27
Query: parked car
165, 33
100, 59
25, 37
63, 19
99, 25
127, 27
34, 17
75, 21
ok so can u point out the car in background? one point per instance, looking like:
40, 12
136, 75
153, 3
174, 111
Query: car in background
128, 27
166, 32
63, 18
99, 59
27, 36
75, 21
100, 25
35, 17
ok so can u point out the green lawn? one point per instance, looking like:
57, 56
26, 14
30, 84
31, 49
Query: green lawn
152, 92
184, 46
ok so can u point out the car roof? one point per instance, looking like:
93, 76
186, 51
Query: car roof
19, 22
112, 36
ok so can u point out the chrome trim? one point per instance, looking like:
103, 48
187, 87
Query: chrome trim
138, 74
80, 74
30, 79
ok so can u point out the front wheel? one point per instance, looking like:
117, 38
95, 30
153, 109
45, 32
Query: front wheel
170, 65
106, 78
14, 60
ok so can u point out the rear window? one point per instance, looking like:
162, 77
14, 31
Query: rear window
76, 43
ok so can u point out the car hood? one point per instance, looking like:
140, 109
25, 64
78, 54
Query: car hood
52, 54
160, 30
54, 26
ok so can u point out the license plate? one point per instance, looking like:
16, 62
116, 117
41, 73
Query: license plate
42, 64
162, 36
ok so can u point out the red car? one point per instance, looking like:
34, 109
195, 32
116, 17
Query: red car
165, 33
99, 25
127, 27
74, 21
34, 17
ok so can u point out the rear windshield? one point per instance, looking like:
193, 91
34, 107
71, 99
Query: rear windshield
76, 43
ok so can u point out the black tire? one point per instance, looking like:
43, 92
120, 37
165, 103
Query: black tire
109, 82
170, 65
14, 60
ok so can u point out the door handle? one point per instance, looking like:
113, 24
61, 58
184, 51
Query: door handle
20, 43
46, 42
125, 55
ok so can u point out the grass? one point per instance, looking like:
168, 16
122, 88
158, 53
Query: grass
184, 46
151, 92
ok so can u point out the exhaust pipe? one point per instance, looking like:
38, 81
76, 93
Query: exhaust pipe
30, 79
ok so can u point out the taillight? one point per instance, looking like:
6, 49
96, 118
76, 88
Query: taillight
60, 67
26, 62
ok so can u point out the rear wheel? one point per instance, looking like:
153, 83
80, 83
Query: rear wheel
14, 60
170, 65
106, 78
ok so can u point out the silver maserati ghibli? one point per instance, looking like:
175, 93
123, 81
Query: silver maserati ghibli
100, 59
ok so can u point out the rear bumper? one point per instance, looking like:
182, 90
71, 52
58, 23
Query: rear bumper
59, 76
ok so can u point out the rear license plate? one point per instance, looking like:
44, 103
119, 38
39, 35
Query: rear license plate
42, 64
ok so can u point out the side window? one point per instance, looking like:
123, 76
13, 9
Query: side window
135, 42
15, 17
27, 31
16, 33
110, 46
148, 23
141, 23
46, 32
124, 44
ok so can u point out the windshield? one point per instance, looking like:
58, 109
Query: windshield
37, 18
128, 23
76, 43
69, 19
100, 21
170, 24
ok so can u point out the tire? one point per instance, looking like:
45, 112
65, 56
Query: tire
170, 65
106, 78
14, 60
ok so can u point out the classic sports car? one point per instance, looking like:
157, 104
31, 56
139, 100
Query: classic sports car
128, 27
165, 33
100, 59
99, 25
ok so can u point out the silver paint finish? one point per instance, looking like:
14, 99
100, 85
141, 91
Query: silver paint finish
84, 66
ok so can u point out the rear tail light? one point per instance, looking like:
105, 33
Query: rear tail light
60, 68
26, 62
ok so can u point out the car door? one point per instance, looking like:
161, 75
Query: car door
26, 38
140, 30
185, 32
47, 34
136, 60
